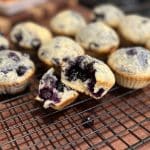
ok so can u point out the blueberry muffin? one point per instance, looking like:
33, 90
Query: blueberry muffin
98, 38
131, 67
109, 14
87, 75
16, 69
135, 29
53, 93
30, 36
4, 44
57, 49
67, 22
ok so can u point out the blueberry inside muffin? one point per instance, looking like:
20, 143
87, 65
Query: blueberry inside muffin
53, 93
83, 73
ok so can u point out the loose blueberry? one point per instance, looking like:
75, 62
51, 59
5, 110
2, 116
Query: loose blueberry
36, 43
13, 56
18, 37
132, 52
21, 70
88, 122
46, 93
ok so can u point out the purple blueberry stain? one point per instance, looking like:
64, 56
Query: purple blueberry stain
13, 56
49, 80
143, 59
132, 52
52, 85
6, 70
80, 69
55, 97
99, 92
48, 93
45, 93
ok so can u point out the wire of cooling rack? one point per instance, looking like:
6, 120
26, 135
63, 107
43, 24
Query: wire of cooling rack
140, 110
120, 120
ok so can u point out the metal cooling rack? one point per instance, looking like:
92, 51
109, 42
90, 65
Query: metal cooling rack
121, 121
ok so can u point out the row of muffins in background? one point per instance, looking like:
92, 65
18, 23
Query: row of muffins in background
133, 29
79, 72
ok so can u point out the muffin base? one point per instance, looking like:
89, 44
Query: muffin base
14, 88
131, 83
62, 104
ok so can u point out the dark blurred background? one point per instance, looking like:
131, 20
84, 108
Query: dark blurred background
126, 5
